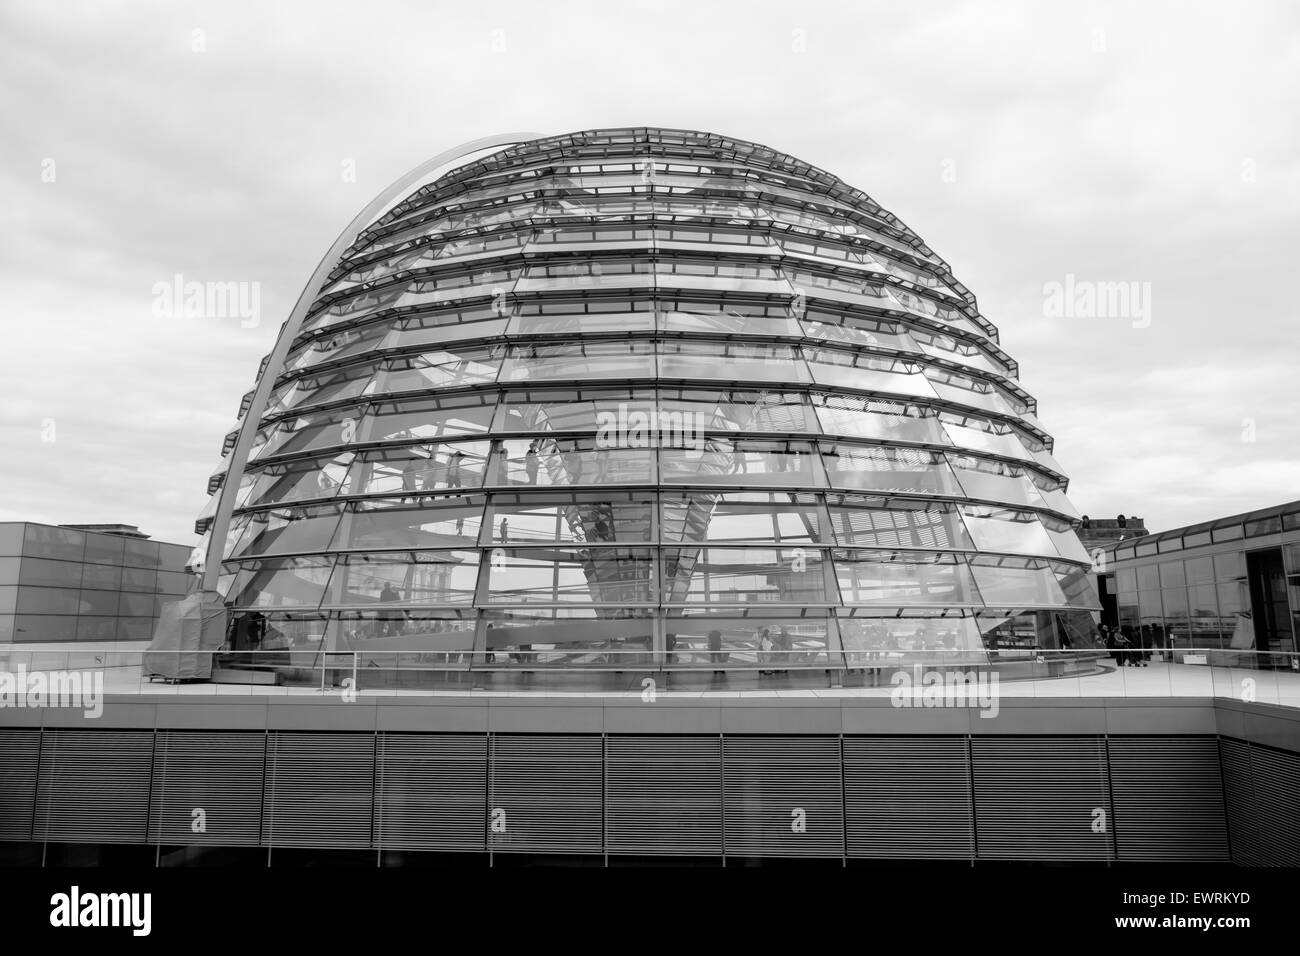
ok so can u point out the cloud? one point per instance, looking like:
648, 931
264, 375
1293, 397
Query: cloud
1150, 143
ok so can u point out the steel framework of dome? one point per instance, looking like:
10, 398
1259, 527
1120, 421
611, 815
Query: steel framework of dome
643, 392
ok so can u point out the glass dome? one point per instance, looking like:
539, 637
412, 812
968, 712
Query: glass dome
653, 396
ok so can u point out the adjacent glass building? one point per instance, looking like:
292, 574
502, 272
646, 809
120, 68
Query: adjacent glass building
86, 584
648, 393
1231, 584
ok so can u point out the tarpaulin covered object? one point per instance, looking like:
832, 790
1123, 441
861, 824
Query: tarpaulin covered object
187, 634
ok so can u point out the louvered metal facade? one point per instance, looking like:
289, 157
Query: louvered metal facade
1261, 786
730, 796
1042, 799
1168, 798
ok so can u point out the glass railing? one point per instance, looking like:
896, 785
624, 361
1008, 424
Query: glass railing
38, 677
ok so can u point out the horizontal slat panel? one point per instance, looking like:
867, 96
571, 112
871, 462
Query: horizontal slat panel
319, 789
550, 789
766, 780
432, 791
664, 795
908, 798
217, 772
19, 770
94, 786
1035, 798
1239, 794
1168, 798
1276, 777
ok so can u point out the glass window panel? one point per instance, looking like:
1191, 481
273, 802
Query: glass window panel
8, 598
911, 640
697, 411
318, 388
893, 470
128, 605
995, 481
105, 549
138, 553
1126, 579
561, 462
139, 579
968, 390
1199, 571
861, 370
985, 437
1015, 582
440, 328
747, 463
45, 628
904, 578
583, 517
857, 330
569, 636
1171, 574
404, 578
33, 600
1006, 529
410, 524
45, 573
11, 538
1148, 578
743, 576
542, 410
174, 582
1230, 566
298, 582
1203, 614
1230, 532
1272, 524
579, 322
728, 319
299, 480
732, 362
422, 419
752, 637
878, 418
96, 628
958, 350
1065, 539
335, 346
1175, 607
1025, 633
305, 432
845, 286
103, 577
875, 522
289, 530
65, 544
1196, 539
739, 516
577, 361
419, 469
443, 631
615, 576
1077, 585
1055, 499
440, 368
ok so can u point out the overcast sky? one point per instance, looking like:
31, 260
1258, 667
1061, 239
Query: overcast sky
1145, 143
